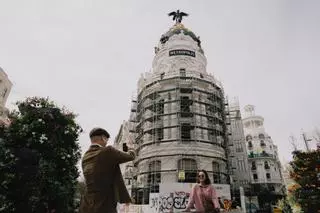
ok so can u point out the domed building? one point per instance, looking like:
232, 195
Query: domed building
178, 121
263, 157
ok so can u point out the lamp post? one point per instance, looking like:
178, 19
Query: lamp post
250, 195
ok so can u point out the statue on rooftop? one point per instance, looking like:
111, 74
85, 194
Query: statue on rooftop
177, 16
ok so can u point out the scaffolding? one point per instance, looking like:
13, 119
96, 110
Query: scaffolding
190, 98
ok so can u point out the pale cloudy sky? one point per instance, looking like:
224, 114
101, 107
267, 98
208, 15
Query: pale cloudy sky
88, 55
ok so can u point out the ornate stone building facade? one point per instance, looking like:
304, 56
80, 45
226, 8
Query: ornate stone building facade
263, 157
5, 88
238, 157
178, 121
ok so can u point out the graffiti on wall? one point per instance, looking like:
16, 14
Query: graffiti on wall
174, 201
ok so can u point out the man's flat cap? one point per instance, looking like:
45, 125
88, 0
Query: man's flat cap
99, 132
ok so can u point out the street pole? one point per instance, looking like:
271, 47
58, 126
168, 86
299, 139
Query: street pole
306, 141
250, 194
242, 199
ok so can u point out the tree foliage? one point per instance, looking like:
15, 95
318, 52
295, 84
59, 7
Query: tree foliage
38, 156
306, 173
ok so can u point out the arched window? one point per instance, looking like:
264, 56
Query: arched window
248, 138
154, 175
189, 167
261, 136
216, 172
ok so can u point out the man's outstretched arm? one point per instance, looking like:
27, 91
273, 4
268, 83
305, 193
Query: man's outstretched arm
119, 156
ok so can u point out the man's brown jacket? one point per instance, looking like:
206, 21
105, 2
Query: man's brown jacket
104, 183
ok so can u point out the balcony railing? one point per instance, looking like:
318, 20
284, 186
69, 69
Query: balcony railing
260, 155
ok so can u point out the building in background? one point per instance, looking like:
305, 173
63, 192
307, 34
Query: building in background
127, 135
287, 180
5, 88
179, 122
238, 157
264, 163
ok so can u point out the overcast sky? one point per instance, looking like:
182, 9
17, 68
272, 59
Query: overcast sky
89, 55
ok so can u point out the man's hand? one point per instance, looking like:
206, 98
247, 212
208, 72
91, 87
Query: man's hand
130, 147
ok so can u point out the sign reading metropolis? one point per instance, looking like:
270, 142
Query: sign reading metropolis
182, 52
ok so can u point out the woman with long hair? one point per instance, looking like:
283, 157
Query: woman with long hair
203, 196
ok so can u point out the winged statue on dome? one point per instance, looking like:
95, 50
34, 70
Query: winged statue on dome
177, 16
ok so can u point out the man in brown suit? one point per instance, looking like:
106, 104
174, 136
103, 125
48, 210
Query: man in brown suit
103, 179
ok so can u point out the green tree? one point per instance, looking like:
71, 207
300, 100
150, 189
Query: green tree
38, 157
305, 172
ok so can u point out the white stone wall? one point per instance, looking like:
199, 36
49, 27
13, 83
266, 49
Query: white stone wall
164, 63
5, 88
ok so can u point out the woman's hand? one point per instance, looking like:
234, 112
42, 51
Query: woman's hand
186, 210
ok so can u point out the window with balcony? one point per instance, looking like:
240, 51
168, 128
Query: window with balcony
266, 165
185, 131
154, 176
253, 166
189, 167
159, 134
160, 107
162, 75
216, 172
268, 176
185, 104
261, 136
251, 155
